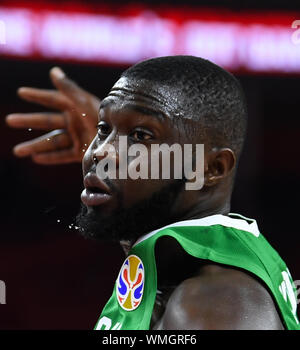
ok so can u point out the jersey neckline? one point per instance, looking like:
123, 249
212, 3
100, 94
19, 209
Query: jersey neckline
232, 220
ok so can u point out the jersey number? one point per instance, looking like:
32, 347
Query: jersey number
107, 323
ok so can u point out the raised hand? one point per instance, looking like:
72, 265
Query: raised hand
72, 127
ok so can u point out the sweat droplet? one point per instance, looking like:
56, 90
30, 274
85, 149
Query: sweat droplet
83, 114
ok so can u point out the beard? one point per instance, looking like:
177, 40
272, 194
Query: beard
129, 224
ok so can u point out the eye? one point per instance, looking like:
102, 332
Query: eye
140, 135
103, 129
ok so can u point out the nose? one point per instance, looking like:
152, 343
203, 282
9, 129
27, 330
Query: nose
106, 151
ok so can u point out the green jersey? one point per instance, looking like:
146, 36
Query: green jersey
231, 240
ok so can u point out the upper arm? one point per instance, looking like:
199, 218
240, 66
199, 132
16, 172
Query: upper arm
228, 300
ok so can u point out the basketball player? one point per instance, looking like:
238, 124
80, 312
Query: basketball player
190, 263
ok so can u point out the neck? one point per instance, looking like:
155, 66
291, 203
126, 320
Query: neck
196, 212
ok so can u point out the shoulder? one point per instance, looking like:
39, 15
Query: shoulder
220, 298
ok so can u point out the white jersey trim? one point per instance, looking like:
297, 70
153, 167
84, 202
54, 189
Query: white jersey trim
217, 219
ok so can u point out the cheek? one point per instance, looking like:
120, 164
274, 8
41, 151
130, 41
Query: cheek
157, 163
135, 191
140, 185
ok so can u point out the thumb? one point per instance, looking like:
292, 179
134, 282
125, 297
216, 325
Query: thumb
66, 85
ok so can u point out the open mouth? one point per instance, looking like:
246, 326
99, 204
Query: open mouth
96, 190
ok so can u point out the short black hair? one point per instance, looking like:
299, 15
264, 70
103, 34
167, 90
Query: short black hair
206, 93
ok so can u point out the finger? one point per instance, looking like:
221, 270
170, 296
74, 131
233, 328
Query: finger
56, 157
73, 91
40, 121
48, 98
51, 141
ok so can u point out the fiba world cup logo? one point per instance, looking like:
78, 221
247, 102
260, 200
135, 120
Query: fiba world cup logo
130, 283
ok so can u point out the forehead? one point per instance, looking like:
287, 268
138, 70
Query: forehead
145, 93
119, 104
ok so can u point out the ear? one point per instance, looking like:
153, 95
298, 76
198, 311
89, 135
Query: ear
219, 164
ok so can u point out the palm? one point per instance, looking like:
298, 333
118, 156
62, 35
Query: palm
72, 128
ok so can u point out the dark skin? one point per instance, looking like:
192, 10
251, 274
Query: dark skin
210, 296
202, 294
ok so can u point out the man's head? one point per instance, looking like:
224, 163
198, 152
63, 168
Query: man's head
173, 100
